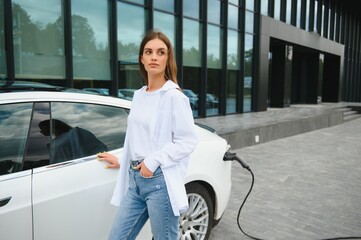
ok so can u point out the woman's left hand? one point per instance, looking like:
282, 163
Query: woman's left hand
111, 159
144, 171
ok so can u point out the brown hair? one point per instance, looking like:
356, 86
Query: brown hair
171, 68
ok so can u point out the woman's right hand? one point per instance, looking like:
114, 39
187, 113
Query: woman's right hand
112, 160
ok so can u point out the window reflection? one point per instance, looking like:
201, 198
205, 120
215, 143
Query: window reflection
137, 1
214, 47
37, 150
38, 39
264, 7
249, 21
233, 64
69, 142
248, 58
90, 39
213, 92
231, 91
277, 9
250, 5
108, 124
191, 81
233, 53
191, 9
192, 62
289, 11
214, 11
167, 5
14, 127
166, 23
130, 34
232, 16
191, 43
298, 14
2, 42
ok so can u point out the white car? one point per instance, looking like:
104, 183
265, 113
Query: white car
53, 187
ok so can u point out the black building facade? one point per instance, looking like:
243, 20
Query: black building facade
233, 56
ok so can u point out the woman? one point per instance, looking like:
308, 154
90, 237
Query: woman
160, 138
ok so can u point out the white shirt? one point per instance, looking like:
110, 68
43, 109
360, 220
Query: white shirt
161, 130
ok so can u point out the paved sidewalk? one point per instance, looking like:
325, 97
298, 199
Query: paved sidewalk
307, 187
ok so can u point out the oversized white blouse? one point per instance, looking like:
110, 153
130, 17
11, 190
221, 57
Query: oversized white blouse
161, 131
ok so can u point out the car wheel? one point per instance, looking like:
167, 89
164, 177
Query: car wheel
196, 223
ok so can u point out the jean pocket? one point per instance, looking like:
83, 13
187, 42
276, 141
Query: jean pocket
158, 173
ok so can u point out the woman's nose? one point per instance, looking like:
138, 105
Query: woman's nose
154, 56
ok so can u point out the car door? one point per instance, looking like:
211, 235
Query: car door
15, 183
71, 195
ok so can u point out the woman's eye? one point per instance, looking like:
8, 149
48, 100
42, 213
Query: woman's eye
161, 53
147, 52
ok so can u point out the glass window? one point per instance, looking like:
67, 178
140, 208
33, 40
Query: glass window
235, 2
90, 39
214, 11
3, 71
167, 5
137, 1
131, 29
191, 85
231, 91
191, 9
233, 63
37, 152
315, 14
307, 14
289, 11
14, 127
80, 130
250, 5
264, 7
213, 91
233, 56
232, 16
249, 22
248, 59
191, 43
38, 37
277, 9
165, 23
214, 47
322, 19
298, 14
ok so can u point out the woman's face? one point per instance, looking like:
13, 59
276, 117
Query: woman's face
154, 57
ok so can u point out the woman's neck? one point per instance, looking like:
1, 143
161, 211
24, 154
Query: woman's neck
155, 83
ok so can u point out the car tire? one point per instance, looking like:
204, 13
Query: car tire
196, 223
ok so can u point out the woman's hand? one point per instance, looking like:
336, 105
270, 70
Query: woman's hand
111, 159
144, 171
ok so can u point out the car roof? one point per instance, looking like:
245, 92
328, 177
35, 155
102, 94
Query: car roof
41, 96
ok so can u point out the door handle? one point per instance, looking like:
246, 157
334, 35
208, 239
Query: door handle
4, 201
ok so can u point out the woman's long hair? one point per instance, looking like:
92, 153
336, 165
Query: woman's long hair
171, 68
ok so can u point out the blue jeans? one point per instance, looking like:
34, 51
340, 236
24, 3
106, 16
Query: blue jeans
145, 198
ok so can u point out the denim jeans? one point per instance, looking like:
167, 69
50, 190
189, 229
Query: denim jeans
145, 198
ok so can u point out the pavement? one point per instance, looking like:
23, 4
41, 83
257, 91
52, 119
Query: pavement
306, 187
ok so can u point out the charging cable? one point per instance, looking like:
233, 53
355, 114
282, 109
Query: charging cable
233, 157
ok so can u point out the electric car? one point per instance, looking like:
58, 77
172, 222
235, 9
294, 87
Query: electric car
53, 187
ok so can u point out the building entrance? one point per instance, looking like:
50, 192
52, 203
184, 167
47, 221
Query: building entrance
300, 75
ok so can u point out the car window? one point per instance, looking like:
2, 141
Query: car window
80, 130
14, 127
37, 151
